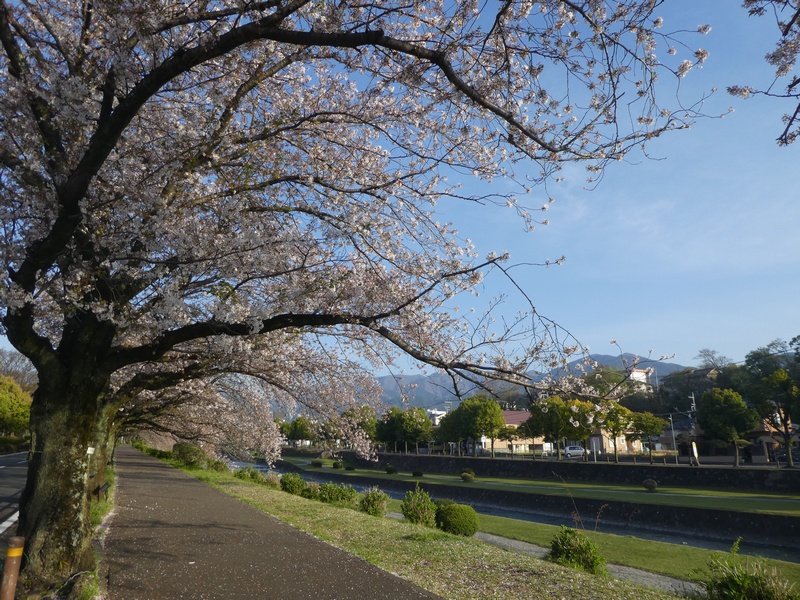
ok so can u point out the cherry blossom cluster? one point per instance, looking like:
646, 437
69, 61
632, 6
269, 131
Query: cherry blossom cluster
230, 207
783, 59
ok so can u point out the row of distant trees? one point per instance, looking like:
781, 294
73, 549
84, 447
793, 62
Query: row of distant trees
729, 401
476, 417
736, 397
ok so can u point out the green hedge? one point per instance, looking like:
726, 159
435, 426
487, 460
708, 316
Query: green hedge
458, 519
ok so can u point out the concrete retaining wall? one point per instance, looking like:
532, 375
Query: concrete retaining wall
720, 477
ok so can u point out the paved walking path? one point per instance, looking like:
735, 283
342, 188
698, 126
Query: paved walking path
172, 536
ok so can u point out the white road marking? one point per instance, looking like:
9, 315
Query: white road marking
9, 522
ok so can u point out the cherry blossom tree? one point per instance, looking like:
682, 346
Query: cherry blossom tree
783, 58
212, 208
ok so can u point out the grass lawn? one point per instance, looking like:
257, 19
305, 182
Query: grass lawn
467, 568
746, 501
448, 565
677, 561
657, 557
681, 562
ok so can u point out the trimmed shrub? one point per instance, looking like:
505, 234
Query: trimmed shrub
337, 464
734, 578
159, 454
439, 504
272, 479
311, 491
349, 468
332, 493
316, 463
416, 474
374, 502
417, 507
190, 455
468, 470
468, 477
572, 548
390, 470
650, 485
218, 466
458, 519
292, 483
250, 474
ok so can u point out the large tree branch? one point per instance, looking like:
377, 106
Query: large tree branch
21, 169
41, 254
212, 327
16, 60
435, 57
215, 15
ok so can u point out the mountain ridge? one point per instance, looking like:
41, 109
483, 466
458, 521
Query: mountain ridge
434, 391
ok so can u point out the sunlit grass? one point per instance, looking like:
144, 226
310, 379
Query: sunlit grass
451, 566
672, 560
682, 562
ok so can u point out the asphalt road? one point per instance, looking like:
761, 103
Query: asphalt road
13, 470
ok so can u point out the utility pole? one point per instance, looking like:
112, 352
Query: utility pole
674, 445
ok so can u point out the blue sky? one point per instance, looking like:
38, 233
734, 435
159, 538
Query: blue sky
698, 249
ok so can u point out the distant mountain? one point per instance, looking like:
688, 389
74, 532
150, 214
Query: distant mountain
433, 391
624, 361
427, 391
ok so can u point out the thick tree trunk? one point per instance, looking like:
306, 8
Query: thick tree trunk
69, 449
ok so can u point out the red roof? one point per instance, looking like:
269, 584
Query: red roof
516, 417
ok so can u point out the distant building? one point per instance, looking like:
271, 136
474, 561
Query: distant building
640, 379
435, 415
525, 443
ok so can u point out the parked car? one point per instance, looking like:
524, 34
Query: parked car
571, 451
781, 455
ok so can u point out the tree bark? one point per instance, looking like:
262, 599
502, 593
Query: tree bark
71, 433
